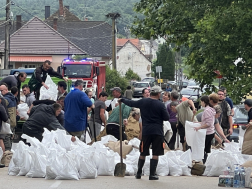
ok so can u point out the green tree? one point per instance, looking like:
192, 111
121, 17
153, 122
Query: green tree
166, 59
130, 75
216, 32
114, 79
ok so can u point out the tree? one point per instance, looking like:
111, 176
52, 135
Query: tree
166, 59
130, 75
114, 79
216, 32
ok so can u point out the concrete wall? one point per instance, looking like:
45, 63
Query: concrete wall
130, 57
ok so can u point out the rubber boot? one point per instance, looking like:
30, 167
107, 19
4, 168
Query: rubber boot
140, 168
153, 167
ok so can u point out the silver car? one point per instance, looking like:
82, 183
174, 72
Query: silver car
139, 86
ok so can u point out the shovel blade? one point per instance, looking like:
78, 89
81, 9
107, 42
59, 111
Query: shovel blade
120, 170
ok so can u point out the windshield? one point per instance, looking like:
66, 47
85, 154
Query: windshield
241, 113
189, 92
141, 85
149, 79
78, 70
192, 83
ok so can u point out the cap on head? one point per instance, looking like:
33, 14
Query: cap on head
248, 102
156, 89
116, 88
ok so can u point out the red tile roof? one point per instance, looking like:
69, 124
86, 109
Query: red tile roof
136, 42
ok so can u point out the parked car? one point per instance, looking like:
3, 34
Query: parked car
182, 84
28, 71
192, 94
149, 79
240, 119
139, 86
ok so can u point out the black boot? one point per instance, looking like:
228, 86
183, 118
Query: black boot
140, 168
153, 167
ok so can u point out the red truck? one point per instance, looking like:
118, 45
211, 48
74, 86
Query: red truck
93, 73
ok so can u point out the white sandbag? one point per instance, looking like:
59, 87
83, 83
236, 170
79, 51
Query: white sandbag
38, 165
22, 110
97, 156
67, 169
174, 166
132, 159
129, 170
63, 139
1, 153
178, 153
52, 92
162, 167
26, 164
87, 167
6, 128
108, 138
186, 157
185, 170
106, 165
12, 169
232, 146
195, 139
135, 142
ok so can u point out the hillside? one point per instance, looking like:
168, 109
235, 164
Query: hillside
94, 10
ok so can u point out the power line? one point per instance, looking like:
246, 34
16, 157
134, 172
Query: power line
84, 28
4, 22
5, 5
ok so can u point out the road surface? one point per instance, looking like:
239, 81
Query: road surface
108, 182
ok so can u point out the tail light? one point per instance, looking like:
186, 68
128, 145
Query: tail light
235, 126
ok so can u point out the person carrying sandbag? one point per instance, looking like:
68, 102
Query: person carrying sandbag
39, 77
247, 141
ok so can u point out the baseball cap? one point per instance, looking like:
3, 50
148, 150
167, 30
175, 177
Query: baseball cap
248, 102
117, 89
156, 89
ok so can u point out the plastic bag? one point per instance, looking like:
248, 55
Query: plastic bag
135, 142
1, 153
22, 109
195, 139
174, 166
106, 165
186, 157
108, 138
185, 170
87, 167
63, 140
232, 146
52, 91
38, 165
5, 129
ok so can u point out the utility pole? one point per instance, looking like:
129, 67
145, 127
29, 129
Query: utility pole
113, 16
7, 36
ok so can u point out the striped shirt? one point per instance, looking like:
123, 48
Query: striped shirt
208, 118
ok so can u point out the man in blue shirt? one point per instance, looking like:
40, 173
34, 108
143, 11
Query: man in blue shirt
229, 101
76, 104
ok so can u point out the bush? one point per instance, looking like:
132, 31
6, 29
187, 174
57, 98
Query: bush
130, 75
114, 79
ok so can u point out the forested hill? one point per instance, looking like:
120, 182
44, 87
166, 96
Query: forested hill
94, 10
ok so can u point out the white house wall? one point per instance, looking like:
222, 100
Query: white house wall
130, 57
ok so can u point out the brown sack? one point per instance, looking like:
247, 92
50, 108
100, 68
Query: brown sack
198, 169
247, 142
6, 158
115, 146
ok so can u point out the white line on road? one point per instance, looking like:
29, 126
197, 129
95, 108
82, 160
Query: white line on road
56, 184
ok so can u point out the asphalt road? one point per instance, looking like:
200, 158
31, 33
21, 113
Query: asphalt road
108, 182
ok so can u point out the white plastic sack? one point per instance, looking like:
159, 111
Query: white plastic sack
195, 139
132, 159
52, 91
63, 139
129, 170
106, 165
162, 167
87, 167
135, 142
26, 164
108, 138
67, 169
167, 130
22, 109
38, 166
113, 103
232, 146
1, 153
185, 170
186, 157
5, 129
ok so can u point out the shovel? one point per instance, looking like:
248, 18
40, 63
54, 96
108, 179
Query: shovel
120, 167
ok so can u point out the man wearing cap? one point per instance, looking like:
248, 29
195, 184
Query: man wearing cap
153, 113
248, 107
117, 93
76, 104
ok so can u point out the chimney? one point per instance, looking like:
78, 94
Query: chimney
67, 7
61, 10
55, 23
47, 12
18, 22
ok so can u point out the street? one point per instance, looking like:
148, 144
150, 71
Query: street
194, 182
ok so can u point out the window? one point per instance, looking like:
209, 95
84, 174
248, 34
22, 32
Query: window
29, 65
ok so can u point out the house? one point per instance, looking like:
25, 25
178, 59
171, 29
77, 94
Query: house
93, 37
36, 42
130, 56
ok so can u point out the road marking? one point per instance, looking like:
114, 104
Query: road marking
56, 184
